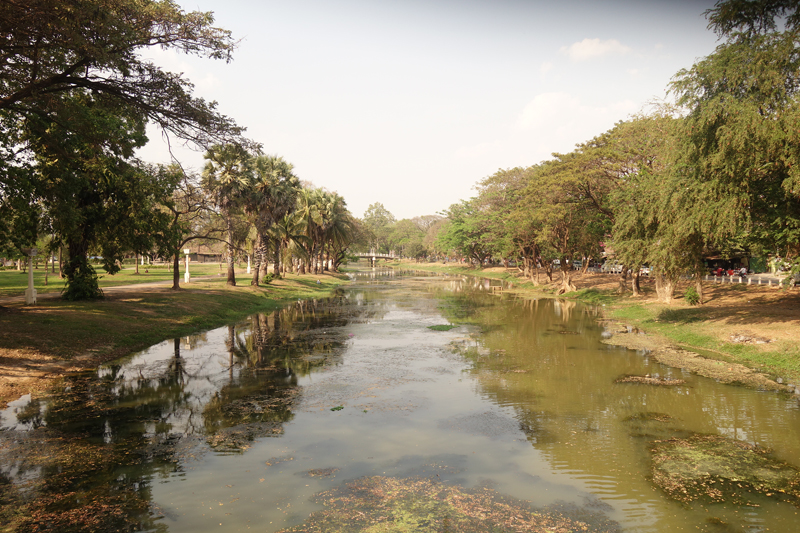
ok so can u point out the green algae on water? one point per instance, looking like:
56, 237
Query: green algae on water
717, 469
386, 504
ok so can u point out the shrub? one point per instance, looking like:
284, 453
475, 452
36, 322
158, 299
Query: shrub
691, 296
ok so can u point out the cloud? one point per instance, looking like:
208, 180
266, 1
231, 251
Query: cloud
545, 68
594, 48
560, 115
546, 108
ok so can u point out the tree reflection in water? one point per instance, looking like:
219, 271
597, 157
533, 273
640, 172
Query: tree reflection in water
84, 458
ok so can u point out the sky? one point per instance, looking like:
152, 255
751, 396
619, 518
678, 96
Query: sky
410, 103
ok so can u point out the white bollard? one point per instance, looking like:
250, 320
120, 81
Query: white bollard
30, 292
186, 277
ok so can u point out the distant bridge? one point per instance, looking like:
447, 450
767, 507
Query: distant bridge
374, 256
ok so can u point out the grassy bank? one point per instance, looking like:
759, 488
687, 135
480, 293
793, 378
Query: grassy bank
55, 336
755, 326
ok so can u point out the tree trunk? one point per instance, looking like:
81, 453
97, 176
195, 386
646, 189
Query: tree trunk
81, 277
276, 268
698, 286
623, 280
176, 271
637, 289
586, 262
698, 280
665, 288
231, 267
60, 262
257, 260
137, 265
566, 279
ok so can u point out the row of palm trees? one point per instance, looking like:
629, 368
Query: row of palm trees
304, 229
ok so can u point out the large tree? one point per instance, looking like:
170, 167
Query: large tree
97, 199
227, 176
50, 48
740, 158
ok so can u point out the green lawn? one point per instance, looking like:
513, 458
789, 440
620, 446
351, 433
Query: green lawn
14, 283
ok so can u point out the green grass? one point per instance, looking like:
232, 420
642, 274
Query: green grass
595, 297
688, 329
14, 282
442, 327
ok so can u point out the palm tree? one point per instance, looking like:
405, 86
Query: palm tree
310, 211
273, 197
227, 176
292, 242
337, 228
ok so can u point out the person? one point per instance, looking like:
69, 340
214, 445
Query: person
743, 271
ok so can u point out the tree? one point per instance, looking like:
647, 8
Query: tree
52, 48
227, 177
191, 216
96, 197
463, 233
75, 68
739, 161
379, 220
272, 197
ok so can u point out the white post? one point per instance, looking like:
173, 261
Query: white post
30, 292
186, 276
248, 263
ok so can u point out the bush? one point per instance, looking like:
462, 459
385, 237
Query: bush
691, 296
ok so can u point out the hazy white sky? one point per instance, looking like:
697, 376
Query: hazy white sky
411, 102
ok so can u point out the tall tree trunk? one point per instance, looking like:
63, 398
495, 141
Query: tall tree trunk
176, 271
257, 259
277, 265
60, 262
700, 271
586, 262
623, 280
231, 267
137, 265
637, 289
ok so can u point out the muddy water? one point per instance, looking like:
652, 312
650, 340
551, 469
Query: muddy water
238, 428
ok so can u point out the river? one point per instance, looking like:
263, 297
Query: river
339, 414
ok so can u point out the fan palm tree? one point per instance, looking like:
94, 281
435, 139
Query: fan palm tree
310, 210
273, 196
227, 177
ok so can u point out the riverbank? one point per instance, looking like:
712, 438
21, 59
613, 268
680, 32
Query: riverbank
42, 342
744, 334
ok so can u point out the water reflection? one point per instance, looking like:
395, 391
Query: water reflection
104, 436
